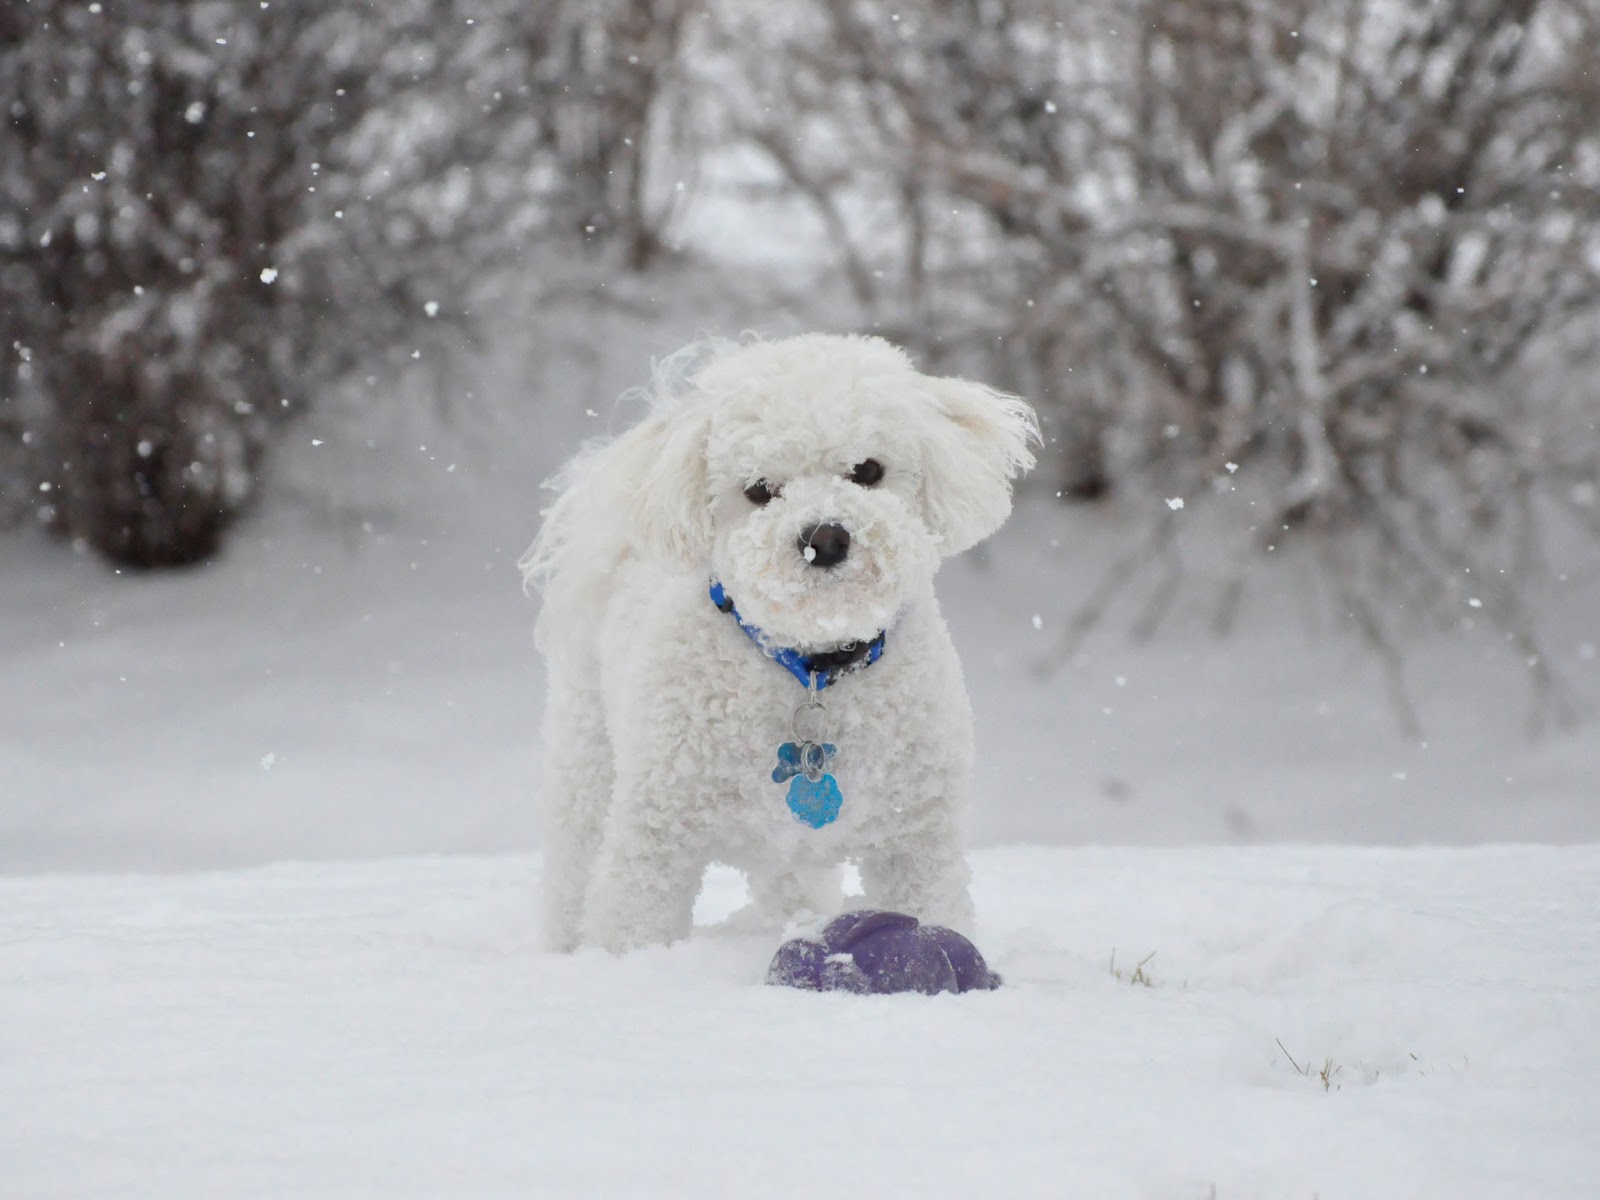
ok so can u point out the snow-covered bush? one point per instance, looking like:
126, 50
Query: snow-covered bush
1327, 246
190, 248
213, 213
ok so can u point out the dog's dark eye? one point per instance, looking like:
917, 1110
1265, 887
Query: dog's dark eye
761, 492
868, 473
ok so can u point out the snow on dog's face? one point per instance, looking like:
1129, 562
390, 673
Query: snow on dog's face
822, 478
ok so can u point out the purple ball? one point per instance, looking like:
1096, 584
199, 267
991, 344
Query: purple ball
870, 950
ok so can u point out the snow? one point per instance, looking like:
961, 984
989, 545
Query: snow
292, 702
389, 1028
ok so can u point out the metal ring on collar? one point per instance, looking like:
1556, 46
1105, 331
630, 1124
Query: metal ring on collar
818, 732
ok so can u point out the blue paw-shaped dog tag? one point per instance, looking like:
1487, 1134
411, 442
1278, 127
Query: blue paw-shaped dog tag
815, 802
814, 796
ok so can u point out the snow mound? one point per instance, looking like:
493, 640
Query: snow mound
1338, 1022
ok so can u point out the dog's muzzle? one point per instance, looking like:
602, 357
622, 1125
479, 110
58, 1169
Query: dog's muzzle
824, 545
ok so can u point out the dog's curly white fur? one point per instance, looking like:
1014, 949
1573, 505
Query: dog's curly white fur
663, 717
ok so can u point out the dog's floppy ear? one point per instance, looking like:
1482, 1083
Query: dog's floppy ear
978, 442
661, 465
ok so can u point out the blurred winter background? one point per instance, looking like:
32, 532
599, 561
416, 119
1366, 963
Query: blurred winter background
300, 302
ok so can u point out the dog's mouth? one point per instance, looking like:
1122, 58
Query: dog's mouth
841, 659
830, 611
827, 658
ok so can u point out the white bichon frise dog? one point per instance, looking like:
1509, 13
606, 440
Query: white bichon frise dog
746, 661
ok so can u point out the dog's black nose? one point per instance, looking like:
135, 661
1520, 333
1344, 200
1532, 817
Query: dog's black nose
825, 545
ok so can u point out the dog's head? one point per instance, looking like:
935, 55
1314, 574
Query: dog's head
822, 478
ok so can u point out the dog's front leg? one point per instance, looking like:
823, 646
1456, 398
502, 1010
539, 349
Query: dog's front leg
648, 872
798, 894
930, 880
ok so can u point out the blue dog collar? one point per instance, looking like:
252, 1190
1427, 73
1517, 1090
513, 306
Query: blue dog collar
805, 668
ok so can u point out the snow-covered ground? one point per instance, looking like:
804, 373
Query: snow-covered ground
391, 1029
